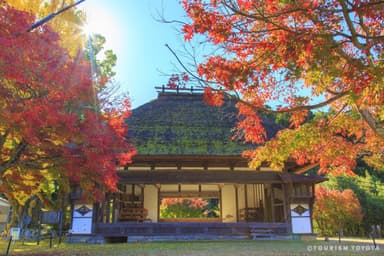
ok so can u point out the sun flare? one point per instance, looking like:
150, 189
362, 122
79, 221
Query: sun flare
100, 21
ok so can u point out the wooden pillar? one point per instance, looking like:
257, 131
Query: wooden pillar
287, 207
96, 212
237, 201
95, 217
114, 207
108, 208
262, 202
246, 197
221, 200
253, 196
288, 196
311, 202
285, 202
273, 203
102, 210
142, 194
158, 202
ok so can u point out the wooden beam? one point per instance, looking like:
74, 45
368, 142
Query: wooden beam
186, 194
197, 177
188, 161
305, 168
216, 177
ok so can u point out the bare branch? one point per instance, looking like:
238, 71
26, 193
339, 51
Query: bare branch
294, 109
266, 110
200, 80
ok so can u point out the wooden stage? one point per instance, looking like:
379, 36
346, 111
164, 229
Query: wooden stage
147, 231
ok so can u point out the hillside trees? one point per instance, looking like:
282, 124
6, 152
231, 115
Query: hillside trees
297, 56
51, 131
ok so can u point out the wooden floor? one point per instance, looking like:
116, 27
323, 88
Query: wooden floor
190, 231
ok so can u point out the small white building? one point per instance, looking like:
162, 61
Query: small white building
4, 212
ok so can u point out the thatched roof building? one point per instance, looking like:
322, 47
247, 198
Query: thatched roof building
186, 152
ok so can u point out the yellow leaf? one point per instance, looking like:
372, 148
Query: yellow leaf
67, 24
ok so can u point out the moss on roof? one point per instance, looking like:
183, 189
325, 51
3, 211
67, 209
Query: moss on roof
182, 124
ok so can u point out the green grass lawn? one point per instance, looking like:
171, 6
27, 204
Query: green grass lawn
217, 248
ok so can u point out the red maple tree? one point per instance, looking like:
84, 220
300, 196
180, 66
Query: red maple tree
334, 210
50, 126
278, 56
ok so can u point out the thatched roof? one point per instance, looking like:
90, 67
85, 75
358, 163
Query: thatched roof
183, 124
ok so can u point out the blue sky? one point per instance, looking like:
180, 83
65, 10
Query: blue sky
133, 32
138, 40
